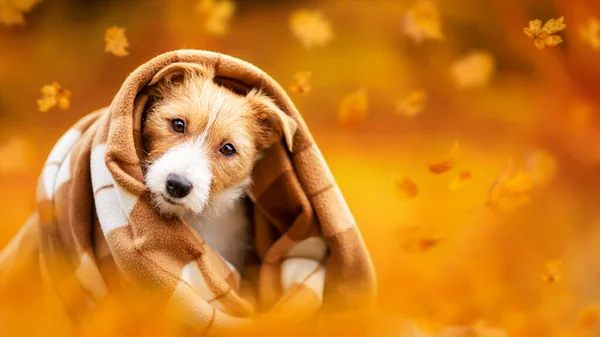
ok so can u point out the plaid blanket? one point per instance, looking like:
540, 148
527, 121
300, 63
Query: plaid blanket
97, 234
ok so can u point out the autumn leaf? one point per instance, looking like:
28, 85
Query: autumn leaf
447, 163
11, 11
53, 94
553, 271
311, 28
423, 21
216, 15
418, 239
589, 32
590, 316
405, 187
479, 329
412, 104
16, 155
542, 35
301, 84
510, 190
353, 109
460, 180
542, 166
116, 41
473, 70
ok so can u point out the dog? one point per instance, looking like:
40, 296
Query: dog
201, 142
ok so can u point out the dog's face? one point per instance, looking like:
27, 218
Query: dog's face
202, 140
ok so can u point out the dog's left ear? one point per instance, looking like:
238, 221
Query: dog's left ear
175, 72
275, 123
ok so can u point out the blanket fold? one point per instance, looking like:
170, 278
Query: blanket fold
97, 234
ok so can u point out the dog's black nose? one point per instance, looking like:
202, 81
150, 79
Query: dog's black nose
178, 186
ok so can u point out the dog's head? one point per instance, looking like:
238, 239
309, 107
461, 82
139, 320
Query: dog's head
202, 139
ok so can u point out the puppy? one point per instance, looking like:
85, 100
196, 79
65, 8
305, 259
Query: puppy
202, 141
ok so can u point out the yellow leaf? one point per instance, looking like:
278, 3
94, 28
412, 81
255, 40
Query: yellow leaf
116, 41
542, 166
590, 316
412, 104
16, 156
419, 239
53, 94
302, 82
553, 272
510, 190
447, 163
311, 28
542, 35
406, 187
590, 33
473, 70
353, 109
460, 180
11, 12
423, 21
216, 14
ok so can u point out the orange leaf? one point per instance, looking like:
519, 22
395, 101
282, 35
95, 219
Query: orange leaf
302, 82
311, 28
447, 163
460, 180
116, 41
406, 187
353, 109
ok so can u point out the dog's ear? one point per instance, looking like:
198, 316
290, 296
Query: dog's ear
176, 72
273, 122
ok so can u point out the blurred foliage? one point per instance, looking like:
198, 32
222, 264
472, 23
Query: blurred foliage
502, 241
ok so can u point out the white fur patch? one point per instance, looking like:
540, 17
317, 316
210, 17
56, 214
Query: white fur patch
49, 178
189, 161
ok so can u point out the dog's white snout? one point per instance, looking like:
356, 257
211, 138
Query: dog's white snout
183, 173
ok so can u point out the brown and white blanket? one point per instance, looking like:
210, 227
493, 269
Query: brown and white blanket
95, 233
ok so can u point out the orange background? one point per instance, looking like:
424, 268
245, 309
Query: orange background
487, 266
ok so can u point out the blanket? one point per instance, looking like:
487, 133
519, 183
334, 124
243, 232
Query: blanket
95, 234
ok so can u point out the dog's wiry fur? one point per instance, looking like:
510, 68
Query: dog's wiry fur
213, 116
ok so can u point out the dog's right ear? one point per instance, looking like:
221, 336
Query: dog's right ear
176, 72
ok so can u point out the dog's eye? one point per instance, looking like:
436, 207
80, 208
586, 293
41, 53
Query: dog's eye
178, 125
227, 150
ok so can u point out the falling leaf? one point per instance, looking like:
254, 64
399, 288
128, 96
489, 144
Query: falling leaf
553, 271
16, 156
353, 109
11, 11
302, 82
590, 33
542, 35
116, 41
53, 94
405, 186
510, 190
423, 21
590, 316
478, 329
418, 239
311, 28
473, 70
447, 163
542, 166
216, 15
412, 104
460, 180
